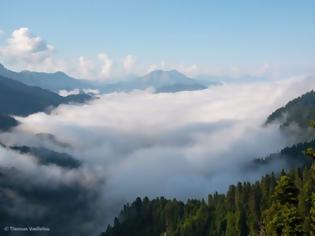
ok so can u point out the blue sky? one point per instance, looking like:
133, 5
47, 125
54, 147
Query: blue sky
204, 33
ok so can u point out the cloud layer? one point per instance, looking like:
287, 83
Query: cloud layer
182, 145
33, 194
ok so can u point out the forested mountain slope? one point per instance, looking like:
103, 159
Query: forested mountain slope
275, 205
299, 111
288, 158
20, 99
280, 203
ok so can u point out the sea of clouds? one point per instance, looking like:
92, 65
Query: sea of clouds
183, 145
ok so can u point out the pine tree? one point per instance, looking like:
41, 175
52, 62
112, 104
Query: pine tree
311, 153
312, 216
282, 217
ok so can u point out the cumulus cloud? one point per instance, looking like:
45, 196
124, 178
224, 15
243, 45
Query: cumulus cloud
98, 68
128, 63
23, 45
28, 51
191, 70
86, 67
106, 65
22, 40
161, 66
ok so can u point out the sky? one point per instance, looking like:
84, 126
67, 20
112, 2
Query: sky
118, 37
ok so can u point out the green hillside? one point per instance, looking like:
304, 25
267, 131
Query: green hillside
299, 111
20, 99
275, 205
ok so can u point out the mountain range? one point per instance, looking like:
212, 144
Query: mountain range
159, 80
51, 81
22, 100
27, 92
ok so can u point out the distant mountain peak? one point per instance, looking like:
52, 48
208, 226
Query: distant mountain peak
170, 72
166, 74
170, 81
61, 73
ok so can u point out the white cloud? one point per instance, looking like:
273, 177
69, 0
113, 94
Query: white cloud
81, 183
24, 45
77, 91
91, 91
191, 70
25, 50
106, 65
66, 93
128, 63
22, 40
161, 66
263, 69
1, 32
167, 144
86, 67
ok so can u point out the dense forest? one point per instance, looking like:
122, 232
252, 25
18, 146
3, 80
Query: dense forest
299, 112
275, 205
